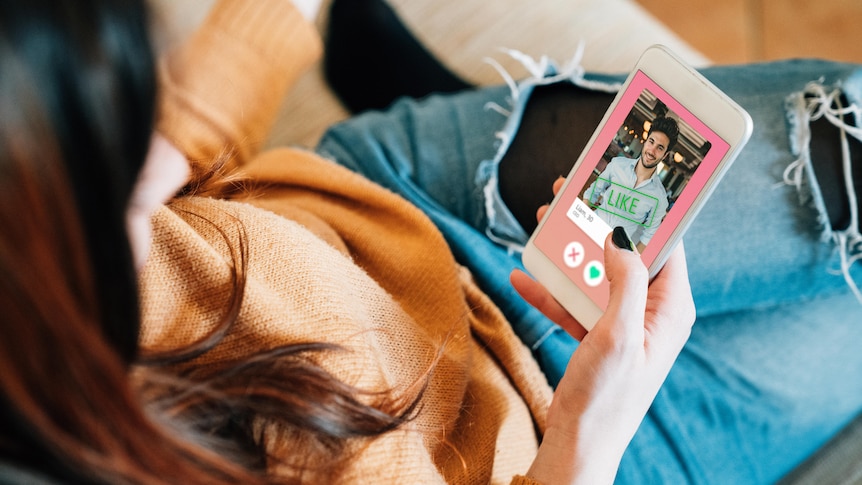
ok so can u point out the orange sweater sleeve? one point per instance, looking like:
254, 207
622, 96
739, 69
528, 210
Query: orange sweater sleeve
221, 91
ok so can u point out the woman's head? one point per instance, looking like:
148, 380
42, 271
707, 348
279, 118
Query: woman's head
77, 102
77, 97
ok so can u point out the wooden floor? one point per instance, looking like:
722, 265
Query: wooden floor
733, 31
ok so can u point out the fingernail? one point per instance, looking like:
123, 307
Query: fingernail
621, 239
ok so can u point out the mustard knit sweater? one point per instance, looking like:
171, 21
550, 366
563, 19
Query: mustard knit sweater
332, 257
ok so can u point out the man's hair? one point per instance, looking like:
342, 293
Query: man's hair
669, 127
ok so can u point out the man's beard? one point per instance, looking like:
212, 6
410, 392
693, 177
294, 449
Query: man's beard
643, 162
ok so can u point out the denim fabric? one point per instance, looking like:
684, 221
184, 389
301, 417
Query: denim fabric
748, 205
772, 368
752, 395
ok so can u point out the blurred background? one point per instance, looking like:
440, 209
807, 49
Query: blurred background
734, 31
464, 34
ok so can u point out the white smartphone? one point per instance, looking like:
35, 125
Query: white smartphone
656, 156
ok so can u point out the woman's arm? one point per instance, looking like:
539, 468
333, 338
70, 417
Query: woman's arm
614, 375
222, 89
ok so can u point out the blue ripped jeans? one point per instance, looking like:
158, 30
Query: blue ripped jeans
773, 368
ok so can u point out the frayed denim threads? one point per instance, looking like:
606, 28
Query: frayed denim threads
816, 102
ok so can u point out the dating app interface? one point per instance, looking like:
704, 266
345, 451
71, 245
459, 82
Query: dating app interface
630, 178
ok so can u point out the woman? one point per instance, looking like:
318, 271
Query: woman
236, 396
79, 89
297, 322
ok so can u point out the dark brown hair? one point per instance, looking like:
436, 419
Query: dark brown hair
669, 127
77, 94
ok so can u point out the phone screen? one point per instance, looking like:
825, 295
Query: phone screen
630, 177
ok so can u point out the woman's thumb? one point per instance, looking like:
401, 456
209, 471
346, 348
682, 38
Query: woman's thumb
627, 276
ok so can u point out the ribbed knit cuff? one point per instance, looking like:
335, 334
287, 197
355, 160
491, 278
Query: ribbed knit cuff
273, 28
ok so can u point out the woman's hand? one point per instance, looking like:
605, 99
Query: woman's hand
163, 174
615, 373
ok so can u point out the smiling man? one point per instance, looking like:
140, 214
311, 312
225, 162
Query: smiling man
629, 192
